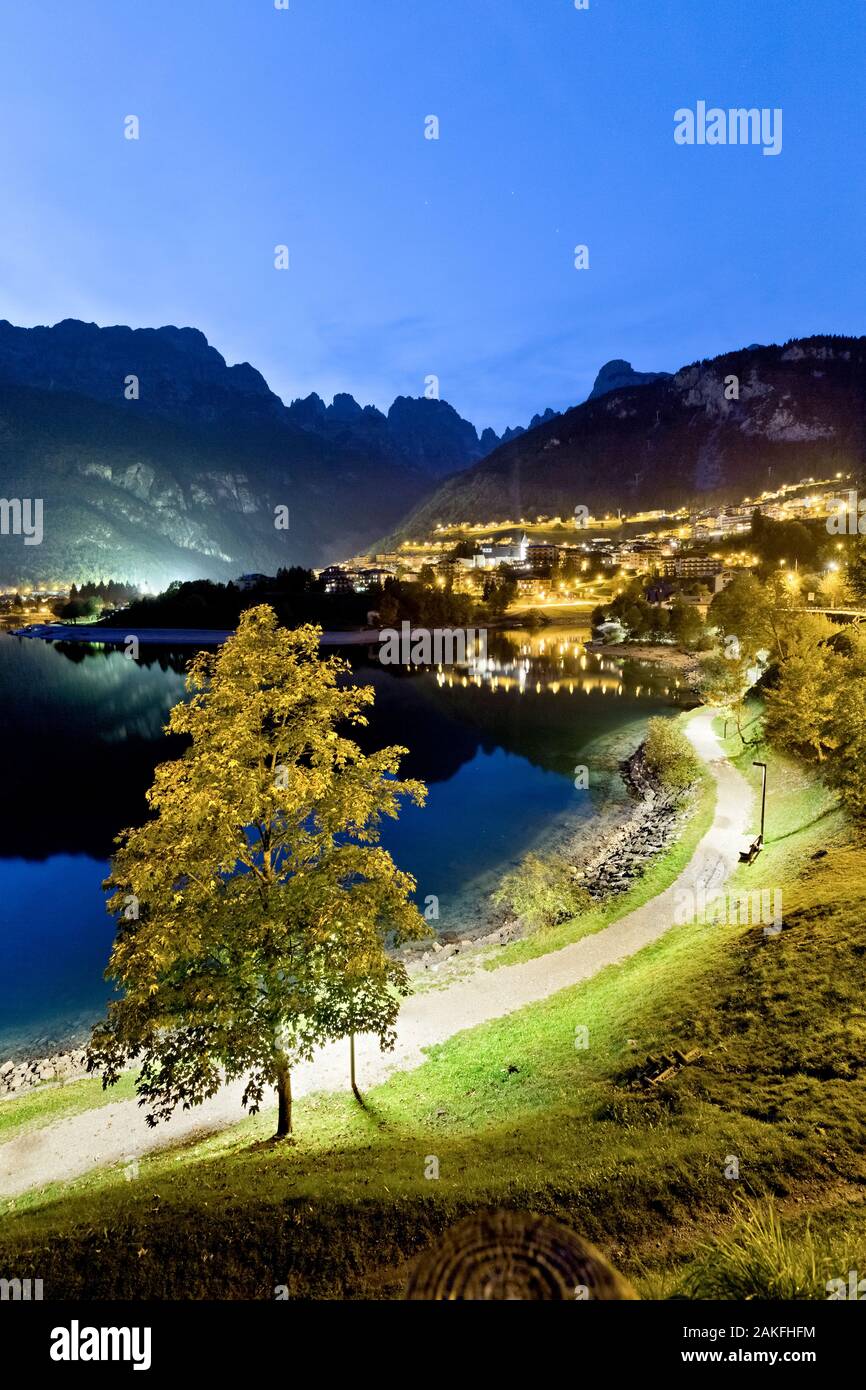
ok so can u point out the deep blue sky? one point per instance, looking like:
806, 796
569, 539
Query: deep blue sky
410, 256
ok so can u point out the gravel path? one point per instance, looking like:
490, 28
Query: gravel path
116, 1133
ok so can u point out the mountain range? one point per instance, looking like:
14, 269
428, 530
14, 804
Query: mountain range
713, 432
156, 460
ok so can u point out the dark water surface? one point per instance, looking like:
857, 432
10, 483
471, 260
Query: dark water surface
82, 729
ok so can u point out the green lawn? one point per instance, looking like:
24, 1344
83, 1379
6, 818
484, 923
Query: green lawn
41, 1105
517, 1115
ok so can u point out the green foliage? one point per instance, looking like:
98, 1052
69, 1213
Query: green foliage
80, 610
786, 540
407, 601
253, 907
670, 756
760, 1258
641, 620
855, 554
743, 610
724, 682
498, 592
464, 550
845, 770
543, 890
801, 705
686, 624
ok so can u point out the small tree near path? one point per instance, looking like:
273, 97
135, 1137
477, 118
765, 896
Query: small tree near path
255, 905
723, 684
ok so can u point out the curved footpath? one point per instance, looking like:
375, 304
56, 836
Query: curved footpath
117, 1132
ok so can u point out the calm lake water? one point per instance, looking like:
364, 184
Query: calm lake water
497, 746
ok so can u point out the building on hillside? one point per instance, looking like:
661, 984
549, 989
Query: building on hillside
337, 579
715, 525
640, 556
340, 579
692, 567
542, 555
373, 574
726, 576
254, 581
501, 553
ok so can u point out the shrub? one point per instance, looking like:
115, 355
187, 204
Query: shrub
670, 756
542, 890
762, 1259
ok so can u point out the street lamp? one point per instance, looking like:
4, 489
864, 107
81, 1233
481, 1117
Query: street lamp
750, 854
763, 767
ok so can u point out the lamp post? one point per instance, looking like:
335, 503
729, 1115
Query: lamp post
747, 856
763, 767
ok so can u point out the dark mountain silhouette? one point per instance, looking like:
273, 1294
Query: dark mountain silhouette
427, 434
156, 460
616, 375
715, 431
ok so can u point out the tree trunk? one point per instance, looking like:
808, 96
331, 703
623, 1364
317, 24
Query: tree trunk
357, 1094
284, 1096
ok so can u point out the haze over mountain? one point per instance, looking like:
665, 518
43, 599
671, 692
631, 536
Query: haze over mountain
156, 460
799, 411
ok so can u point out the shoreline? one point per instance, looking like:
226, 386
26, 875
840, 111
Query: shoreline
611, 849
170, 636
684, 663
609, 861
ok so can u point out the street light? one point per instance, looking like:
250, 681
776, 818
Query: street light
748, 855
763, 767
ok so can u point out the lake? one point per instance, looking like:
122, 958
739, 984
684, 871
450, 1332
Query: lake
497, 745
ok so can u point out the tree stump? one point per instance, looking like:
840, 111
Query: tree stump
512, 1255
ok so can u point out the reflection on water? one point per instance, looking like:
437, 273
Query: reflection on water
559, 663
497, 743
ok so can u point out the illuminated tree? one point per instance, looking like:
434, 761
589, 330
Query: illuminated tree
855, 556
723, 683
254, 906
801, 706
744, 611
849, 719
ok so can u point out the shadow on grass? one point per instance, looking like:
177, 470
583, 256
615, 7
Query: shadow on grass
828, 811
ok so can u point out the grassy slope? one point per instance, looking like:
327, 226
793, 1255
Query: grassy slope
516, 1115
42, 1105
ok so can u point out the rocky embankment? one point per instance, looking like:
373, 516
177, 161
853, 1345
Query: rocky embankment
652, 827
20, 1076
617, 858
